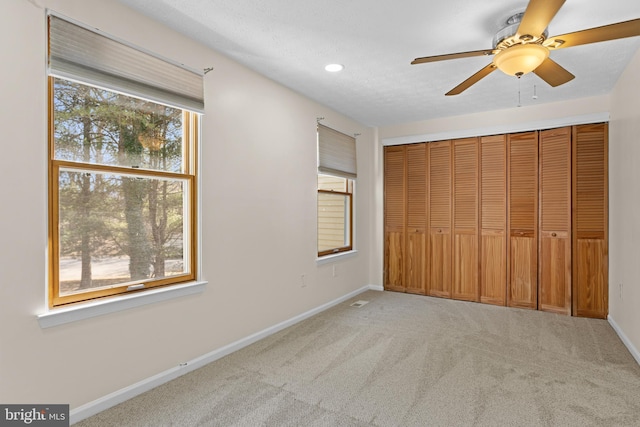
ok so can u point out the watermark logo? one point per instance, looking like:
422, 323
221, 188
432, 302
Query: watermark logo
34, 415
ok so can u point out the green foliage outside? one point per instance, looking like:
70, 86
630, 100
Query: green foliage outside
111, 214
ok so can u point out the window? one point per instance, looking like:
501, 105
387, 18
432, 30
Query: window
122, 168
335, 200
336, 181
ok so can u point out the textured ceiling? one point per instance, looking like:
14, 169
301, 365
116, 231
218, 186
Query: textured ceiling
291, 41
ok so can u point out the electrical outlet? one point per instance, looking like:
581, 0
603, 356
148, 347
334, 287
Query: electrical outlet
620, 285
303, 282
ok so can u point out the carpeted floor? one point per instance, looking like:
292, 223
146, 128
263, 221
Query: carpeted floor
404, 360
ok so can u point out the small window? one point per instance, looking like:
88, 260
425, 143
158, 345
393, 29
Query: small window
121, 174
336, 181
335, 207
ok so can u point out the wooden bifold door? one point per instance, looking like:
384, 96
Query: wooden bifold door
493, 219
515, 219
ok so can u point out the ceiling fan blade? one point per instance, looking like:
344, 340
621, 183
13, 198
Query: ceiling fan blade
553, 73
537, 16
452, 56
472, 80
594, 35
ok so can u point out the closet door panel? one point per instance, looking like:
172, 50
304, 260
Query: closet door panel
591, 291
439, 180
394, 217
440, 263
465, 216
554, 286
493, 222
465, 266
522, 243
416, 231
523, 268
590, 220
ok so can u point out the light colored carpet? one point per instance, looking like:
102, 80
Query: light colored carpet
405, 360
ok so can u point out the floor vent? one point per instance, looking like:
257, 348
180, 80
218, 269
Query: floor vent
359, 303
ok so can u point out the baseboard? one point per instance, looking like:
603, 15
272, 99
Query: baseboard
627, 342
92, 408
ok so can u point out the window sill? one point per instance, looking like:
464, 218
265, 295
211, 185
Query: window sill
335, 257
60, 316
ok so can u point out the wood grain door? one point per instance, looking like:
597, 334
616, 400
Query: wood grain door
439, 196
465, 219
416, 231
493, 219
522, 243
554, 271
394, 217
590, 220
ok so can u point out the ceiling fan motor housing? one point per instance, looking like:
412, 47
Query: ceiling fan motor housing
505, 37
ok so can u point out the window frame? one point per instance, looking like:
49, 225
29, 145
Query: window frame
349, 193
190, 141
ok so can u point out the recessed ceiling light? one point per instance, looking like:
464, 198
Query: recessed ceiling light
333, 68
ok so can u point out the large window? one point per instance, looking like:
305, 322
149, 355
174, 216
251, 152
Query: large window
122, 173
336, 181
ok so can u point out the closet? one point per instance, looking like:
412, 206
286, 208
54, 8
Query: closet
515, 219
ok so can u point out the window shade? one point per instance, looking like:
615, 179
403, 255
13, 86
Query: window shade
336, 153
83, 55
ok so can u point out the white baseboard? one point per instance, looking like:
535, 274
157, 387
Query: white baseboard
627, 342
376, 288
87, 410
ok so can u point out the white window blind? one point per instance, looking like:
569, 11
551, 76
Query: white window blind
77, 53
336, 153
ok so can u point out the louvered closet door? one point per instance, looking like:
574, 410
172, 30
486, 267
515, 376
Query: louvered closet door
465, 219
554, 283
590, 195
493, 220
416, 236
522, 243
439, 184
394, 217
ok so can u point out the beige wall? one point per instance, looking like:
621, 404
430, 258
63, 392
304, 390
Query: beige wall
514, 119
258, 235
624, 204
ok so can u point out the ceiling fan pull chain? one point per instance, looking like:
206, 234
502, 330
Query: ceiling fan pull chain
519, 85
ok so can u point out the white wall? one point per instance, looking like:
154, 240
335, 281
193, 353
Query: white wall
258, 218
516, 119
624, 205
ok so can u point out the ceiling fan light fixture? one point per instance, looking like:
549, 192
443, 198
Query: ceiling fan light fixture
520, 59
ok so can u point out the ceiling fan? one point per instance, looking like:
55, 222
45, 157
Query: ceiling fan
523, 45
